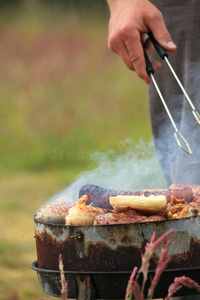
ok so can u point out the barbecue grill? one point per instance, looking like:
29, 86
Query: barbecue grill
107, 285
98, 260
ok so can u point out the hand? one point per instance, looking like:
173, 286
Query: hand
130, 20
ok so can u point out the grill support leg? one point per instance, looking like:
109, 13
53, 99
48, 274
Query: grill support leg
84, 287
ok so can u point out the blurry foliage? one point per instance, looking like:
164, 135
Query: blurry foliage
60, 87
7, 3
21, 195
78, 4
65, 4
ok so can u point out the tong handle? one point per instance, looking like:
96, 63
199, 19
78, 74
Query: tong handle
149, 67
161, 51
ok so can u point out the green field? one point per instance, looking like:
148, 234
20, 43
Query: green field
63, 97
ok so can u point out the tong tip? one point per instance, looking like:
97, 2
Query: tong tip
187, 149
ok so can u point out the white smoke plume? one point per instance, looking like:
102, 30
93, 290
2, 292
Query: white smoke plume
132, 167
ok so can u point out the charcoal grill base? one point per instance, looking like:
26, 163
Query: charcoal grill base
107, 285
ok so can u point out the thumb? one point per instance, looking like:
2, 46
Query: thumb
168, 44
162, 35
165, 40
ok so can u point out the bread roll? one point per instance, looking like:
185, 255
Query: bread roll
147, 205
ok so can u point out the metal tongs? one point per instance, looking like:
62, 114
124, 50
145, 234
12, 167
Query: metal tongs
181, 141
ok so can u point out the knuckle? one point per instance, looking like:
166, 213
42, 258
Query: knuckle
126, 31
134, 59
110, 47
112, 39
119, 33
123, 30
156, 16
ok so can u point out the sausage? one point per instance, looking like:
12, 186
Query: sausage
99, 196
54, 212
195, 189
183, 185
180, 193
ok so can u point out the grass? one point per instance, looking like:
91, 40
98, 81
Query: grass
61, 87
63, 95
20, 196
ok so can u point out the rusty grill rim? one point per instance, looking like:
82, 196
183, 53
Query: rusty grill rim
105, 225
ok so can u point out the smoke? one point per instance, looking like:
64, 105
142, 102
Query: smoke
177, 166
135, 166
132, 166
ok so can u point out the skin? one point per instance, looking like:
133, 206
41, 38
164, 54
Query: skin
130, 21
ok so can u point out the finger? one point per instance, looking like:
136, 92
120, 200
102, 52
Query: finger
136, 53
148, 46
123, 52
156, 65
119, 47
157, 26
149, 49
111, 46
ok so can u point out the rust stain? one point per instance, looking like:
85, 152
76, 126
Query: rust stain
114, 247
100, 256
189, 259
97, 257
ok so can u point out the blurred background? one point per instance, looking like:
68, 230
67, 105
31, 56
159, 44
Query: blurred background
63, 95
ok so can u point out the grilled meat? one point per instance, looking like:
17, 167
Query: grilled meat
99, 196
82, 214
94, 207
180, 208
127, 217
55, 212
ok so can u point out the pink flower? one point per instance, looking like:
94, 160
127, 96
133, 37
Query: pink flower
161, 265
136, 292
178, 283
129, 289
133, 287
150, 249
